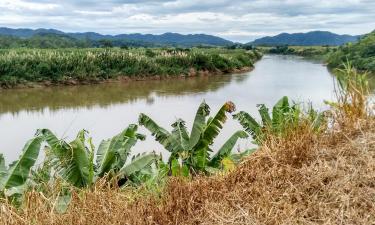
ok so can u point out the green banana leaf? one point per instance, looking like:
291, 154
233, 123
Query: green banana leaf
250, 125
72, 161
180, 133
169, 141
201, 152
199, 124
3, 168
265, 115
226, 149
113, 153
19, 170
137, 164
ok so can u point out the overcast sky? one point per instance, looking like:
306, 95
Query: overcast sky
236, 20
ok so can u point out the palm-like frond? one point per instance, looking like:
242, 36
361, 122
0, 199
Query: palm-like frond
3, 168
226, 149
169, 141
199, 124
19, 170
249, 124
72, 160
279, 112
201, 152
180, 132
265, 115
77, 171
215, 124
113, 153
137, 164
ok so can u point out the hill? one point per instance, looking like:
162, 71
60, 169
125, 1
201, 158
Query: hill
166, 39
313, 38
361, 54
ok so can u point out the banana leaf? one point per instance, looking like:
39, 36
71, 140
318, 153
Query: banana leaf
226, 149
19, 170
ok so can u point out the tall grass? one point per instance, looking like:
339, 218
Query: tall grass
352, 95
30, 65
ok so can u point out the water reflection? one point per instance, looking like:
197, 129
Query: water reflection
105, 95
106, 109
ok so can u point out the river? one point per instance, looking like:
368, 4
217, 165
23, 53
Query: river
106, 109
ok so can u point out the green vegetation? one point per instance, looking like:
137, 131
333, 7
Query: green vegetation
56, 41
13, 178
194, 150
361, 54
75, 181
20, 66
51, 38
319, 52
284, 117
74, 161
79, 165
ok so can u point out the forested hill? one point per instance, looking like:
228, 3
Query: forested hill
50, 37
360, 54
314, 38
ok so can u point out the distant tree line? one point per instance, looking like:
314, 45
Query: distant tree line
54, 41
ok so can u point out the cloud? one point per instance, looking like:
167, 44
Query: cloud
238, 20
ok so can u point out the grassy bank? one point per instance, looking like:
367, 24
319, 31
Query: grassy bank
309, 168
314, 52
72, 66
361, 54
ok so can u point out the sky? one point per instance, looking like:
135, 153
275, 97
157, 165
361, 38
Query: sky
236, 20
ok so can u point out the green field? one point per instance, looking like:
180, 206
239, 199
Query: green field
59, 66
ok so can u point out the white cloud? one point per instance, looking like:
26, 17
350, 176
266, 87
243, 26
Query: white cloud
19, 5
238, 20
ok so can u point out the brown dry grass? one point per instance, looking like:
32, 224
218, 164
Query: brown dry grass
302, 179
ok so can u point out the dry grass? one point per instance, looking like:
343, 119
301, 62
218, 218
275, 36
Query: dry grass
302, 179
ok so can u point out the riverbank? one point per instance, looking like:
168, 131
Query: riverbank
309, 180
126, 79
361, 54
308, 167
30, 67
320, 53
81, 105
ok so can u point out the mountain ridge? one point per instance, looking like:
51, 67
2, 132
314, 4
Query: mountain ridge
306, 39
168, 38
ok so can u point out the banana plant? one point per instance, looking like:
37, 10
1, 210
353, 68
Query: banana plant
75, 163
13, 178
193, 150
284, 116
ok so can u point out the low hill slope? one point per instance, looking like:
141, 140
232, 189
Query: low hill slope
361, 54
314, 38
